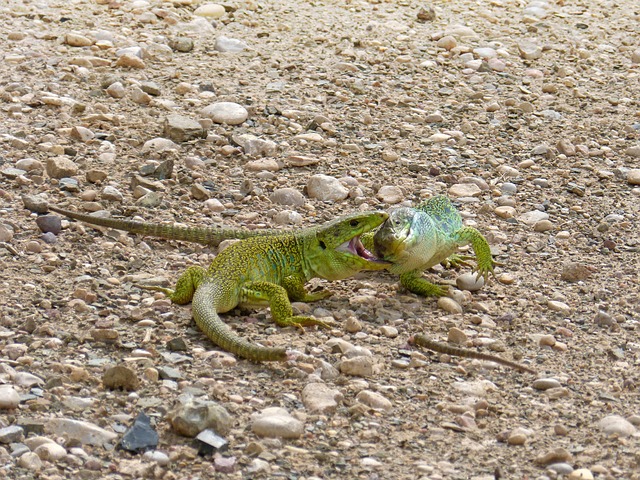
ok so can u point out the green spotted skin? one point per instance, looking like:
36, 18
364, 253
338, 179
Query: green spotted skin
415, 239
273, 269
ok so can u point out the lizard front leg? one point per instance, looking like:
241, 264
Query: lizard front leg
471, 236
281, 309
297, 293
414, 282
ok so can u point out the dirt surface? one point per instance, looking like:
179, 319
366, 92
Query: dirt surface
527, 115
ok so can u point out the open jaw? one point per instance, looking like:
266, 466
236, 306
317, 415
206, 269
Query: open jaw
355, 247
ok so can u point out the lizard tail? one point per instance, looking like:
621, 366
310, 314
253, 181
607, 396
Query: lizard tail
207, 319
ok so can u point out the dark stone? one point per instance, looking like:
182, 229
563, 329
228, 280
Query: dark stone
209, 442
177, 344
140, 437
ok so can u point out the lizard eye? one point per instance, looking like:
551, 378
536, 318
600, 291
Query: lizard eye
323, 246
354, 223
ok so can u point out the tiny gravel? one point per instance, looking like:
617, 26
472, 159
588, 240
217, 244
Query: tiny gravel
276, 113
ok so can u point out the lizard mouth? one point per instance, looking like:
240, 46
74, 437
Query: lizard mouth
355, 247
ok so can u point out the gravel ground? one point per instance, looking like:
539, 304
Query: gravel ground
283, 113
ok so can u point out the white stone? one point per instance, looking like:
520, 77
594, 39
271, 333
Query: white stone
228, 113
633, 176
324, 187
360, 366
276, 422
210, 10
30, 461
9, 398
464, 190
390, 194
85, 432
229, 45
50, 451
615, 424
374, 401
470, 281
320, 398
533, 217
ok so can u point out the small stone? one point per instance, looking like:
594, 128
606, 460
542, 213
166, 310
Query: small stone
288, 217
633, 151
374, 400
449, 305
77, 40
140, 437
209, 442
470, 282
6, 233
30, 461
389, 156
505, 212
82, 134
529, 50
49, 223
224, 464
360, 366
575, 272
130, 60
546, 383
95, 176
195, 415
150, 200
229, 45
226, 112
390, 194
320, 398
324, 187
287, 196
547, 341
84, 432
553, 456
457, 336
633, 176
580, 474
50, 452
9, 397
254, 146
276, 422
11, 434
615, 424
635, 56
447, 42
464, 190
181, 44
557, 306
210, 10
389, 331
120, 378
60, 167
543, 226
35, 203
116, 90
533, 217
112, 194
180, 128
603, 319
566, 147
138, 96
519, 436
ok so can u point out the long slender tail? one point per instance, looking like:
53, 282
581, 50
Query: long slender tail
423, 341
206, 317
201, 235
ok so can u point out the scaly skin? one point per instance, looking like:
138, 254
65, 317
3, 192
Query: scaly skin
274, 269
414, 239
201, 235
423, 341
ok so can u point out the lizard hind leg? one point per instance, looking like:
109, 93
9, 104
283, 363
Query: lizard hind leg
185, 286
484, 261
281, 310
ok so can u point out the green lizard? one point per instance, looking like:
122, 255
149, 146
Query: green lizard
414, 239
273, 269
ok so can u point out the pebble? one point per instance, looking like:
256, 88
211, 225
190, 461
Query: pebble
210, 10
84, 432
557, 306
326, 188
288, 217
470, 282
529, 50
519, 436
543, 226
615, 424
449, 305
320, 398
9, 397
448, 42
287, 196
50, 451
464, 190
60, 167
556, 455
120, 377
633, 151
276, 422
505, 212
194, 415
533, 217
375, 401
130, 60
11, 434
228, 113
30, 461
360, 366
258, 147
390, 194
546, 384
76, 40
580, 474
140, 437
180, 128
457, 336
229, 45
49, 224
633, 176
6, 233
116, 90
388, 331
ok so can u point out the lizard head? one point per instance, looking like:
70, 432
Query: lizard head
395, 236
335, 250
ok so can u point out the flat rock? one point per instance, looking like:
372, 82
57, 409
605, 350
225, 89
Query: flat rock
320, 398
324, 187
276, 422
228, 113
85, 432
180, 128
615, 424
